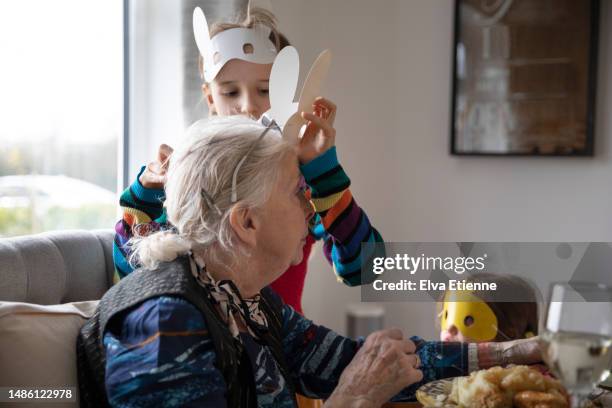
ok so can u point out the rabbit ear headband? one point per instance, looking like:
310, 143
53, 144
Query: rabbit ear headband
248, 44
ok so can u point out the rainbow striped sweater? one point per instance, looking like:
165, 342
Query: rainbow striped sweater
339, 221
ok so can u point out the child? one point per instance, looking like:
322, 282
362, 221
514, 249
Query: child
480, 316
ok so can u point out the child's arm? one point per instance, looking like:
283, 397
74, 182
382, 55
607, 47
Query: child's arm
339, 220
142, 207
142, 210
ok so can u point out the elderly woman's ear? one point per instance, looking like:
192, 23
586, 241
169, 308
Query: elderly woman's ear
245, 223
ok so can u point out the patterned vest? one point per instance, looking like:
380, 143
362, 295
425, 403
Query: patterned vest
175, 279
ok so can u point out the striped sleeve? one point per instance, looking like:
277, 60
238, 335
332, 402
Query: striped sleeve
143, 210
339, 221
316, 355
160, 354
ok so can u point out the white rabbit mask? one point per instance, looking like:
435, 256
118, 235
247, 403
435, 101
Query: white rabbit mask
283, 84
248, 44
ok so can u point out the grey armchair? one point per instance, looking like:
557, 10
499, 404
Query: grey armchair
56, 267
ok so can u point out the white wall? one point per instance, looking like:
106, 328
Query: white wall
391, 78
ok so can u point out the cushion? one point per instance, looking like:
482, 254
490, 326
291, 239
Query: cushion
38, 345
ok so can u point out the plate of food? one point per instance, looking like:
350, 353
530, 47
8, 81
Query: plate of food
436, 393
497, 387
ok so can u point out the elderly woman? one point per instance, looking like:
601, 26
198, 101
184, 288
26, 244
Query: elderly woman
197, 325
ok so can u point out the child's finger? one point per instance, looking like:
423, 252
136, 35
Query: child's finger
325, 102
320, 123
158, 178
322, 112
329, 106
155, 168
163, 154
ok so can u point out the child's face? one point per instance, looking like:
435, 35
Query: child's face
240, 88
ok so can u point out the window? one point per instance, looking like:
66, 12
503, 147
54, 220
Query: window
62, 107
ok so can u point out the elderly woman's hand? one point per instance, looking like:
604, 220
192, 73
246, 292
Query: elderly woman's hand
384, 365
320, 134
523, 351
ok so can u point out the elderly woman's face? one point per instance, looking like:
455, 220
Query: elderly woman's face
285, 216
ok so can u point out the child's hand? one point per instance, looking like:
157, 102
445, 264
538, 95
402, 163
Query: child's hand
155, 175
320, 134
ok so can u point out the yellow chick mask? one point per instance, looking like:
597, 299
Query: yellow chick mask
470, 315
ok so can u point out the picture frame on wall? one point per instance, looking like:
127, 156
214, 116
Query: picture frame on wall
524, 77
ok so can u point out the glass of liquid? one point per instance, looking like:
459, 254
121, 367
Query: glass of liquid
577, 336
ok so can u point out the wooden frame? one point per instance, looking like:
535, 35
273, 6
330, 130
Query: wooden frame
524, 77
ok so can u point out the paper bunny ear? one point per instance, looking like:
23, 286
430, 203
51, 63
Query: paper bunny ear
314, 81
200, 31
248, 44
283, 83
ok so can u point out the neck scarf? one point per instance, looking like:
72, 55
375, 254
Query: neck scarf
234, 308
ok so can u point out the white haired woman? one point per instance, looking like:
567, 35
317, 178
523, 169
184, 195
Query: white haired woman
197, 325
